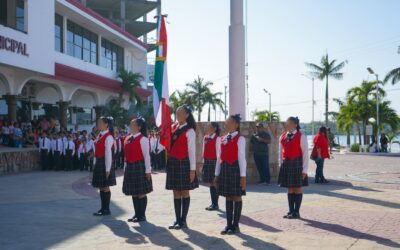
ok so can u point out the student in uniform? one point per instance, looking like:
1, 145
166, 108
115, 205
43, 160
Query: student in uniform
137, 175
230, 173
57, 148
44, 149
158, 152
122, 153
181, 169
51, 153
83, 153
211, 148
69, 151
293, 159
103, 173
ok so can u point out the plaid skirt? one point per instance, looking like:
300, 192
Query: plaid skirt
135, 181
178, 175
208, 171
99, 179
229, 180
290, 174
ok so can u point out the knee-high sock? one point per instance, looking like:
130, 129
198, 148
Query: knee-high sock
185, 208
135, 205
107, 196
298, 199
237, 213
214, 195
178, 206
143, 206
229, 212
291, 201
102, 199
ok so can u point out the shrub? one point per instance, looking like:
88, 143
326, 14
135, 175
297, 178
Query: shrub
355, 147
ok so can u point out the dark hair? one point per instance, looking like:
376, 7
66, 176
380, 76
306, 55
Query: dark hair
191, 123
236, 118
324, 131
296, 121
142, 124
109, 121
215, 125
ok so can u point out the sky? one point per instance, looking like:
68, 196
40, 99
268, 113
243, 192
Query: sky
283, 35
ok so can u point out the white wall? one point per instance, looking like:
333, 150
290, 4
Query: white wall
39, 39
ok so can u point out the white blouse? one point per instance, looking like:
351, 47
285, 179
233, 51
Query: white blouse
108, 151
191, 143
145, 146
241, 155
304, 149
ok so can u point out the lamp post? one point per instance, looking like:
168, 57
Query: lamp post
313, 102
270, 112
377, 106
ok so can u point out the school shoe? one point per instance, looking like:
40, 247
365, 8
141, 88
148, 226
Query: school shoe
288, 215
102, 213
175, 225
294, 215
234, 230
183, 225
139, 219
227, 230
132, 219
212, 207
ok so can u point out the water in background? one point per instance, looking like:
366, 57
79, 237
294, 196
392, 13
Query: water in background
342, 140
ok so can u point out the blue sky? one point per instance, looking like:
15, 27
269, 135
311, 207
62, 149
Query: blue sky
282, 35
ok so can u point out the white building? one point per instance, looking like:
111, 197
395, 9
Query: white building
61, 56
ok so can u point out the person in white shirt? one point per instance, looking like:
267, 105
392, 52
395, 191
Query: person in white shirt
103, 172
83, 153
69, 151
181, 170
293, 161
158, 152
211, 148
44, 149
58, 150
137, 175
230, 173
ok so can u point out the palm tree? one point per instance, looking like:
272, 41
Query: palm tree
177, 99
265, 116
323, 71
114, 108
213, 100
197, 90
130, 83
393, 76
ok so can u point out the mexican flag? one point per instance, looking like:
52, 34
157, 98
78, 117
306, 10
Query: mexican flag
161, 105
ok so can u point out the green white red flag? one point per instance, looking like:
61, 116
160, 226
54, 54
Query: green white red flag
161, 106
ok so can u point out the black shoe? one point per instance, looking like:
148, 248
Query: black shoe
139, 219
227, 230
294, 216
132, 219
212, 207
183, 225
234, 230
286, 216
102, 213
175, 225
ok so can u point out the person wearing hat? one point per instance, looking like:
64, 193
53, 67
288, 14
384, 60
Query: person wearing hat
260, 141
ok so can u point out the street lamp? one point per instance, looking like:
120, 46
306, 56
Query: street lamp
377, 106
313, 102
270, 114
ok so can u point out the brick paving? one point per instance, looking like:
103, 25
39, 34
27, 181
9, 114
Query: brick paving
359, 209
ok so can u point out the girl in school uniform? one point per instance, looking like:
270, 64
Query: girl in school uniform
293, 159
137, 176
181, 169
103, 173
211, 148
319, 153
230, 173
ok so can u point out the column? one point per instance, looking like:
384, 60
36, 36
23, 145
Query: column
123, 12
99, 111
63, 107
237, 86
11, 101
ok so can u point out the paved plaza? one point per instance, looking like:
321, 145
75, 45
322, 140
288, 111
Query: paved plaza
359, 209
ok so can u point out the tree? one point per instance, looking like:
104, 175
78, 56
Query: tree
114, 108
393, 76
177, 99
323, 71
213, 100
265, 116
197, 90
130, 83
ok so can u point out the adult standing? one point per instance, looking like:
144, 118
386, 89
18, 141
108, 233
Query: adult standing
260, 141
384, 143
319, 153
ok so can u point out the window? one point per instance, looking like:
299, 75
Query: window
112, 55
58, 32
12, 14
81, 43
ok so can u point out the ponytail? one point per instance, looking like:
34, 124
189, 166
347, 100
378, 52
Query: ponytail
191, 123
215, 125
237, 120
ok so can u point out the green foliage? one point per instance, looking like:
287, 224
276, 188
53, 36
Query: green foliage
264, 115
393, 76
355, 147
130, 83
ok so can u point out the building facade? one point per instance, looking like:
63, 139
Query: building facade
61, 57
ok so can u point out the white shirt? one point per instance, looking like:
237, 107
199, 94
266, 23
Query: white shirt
217, 143
145, 146
57, 145
108, 151
90, 144
5, 130
83, 148
70, 145
46, 145
191, 141
241, 155
155, 144
304, 149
